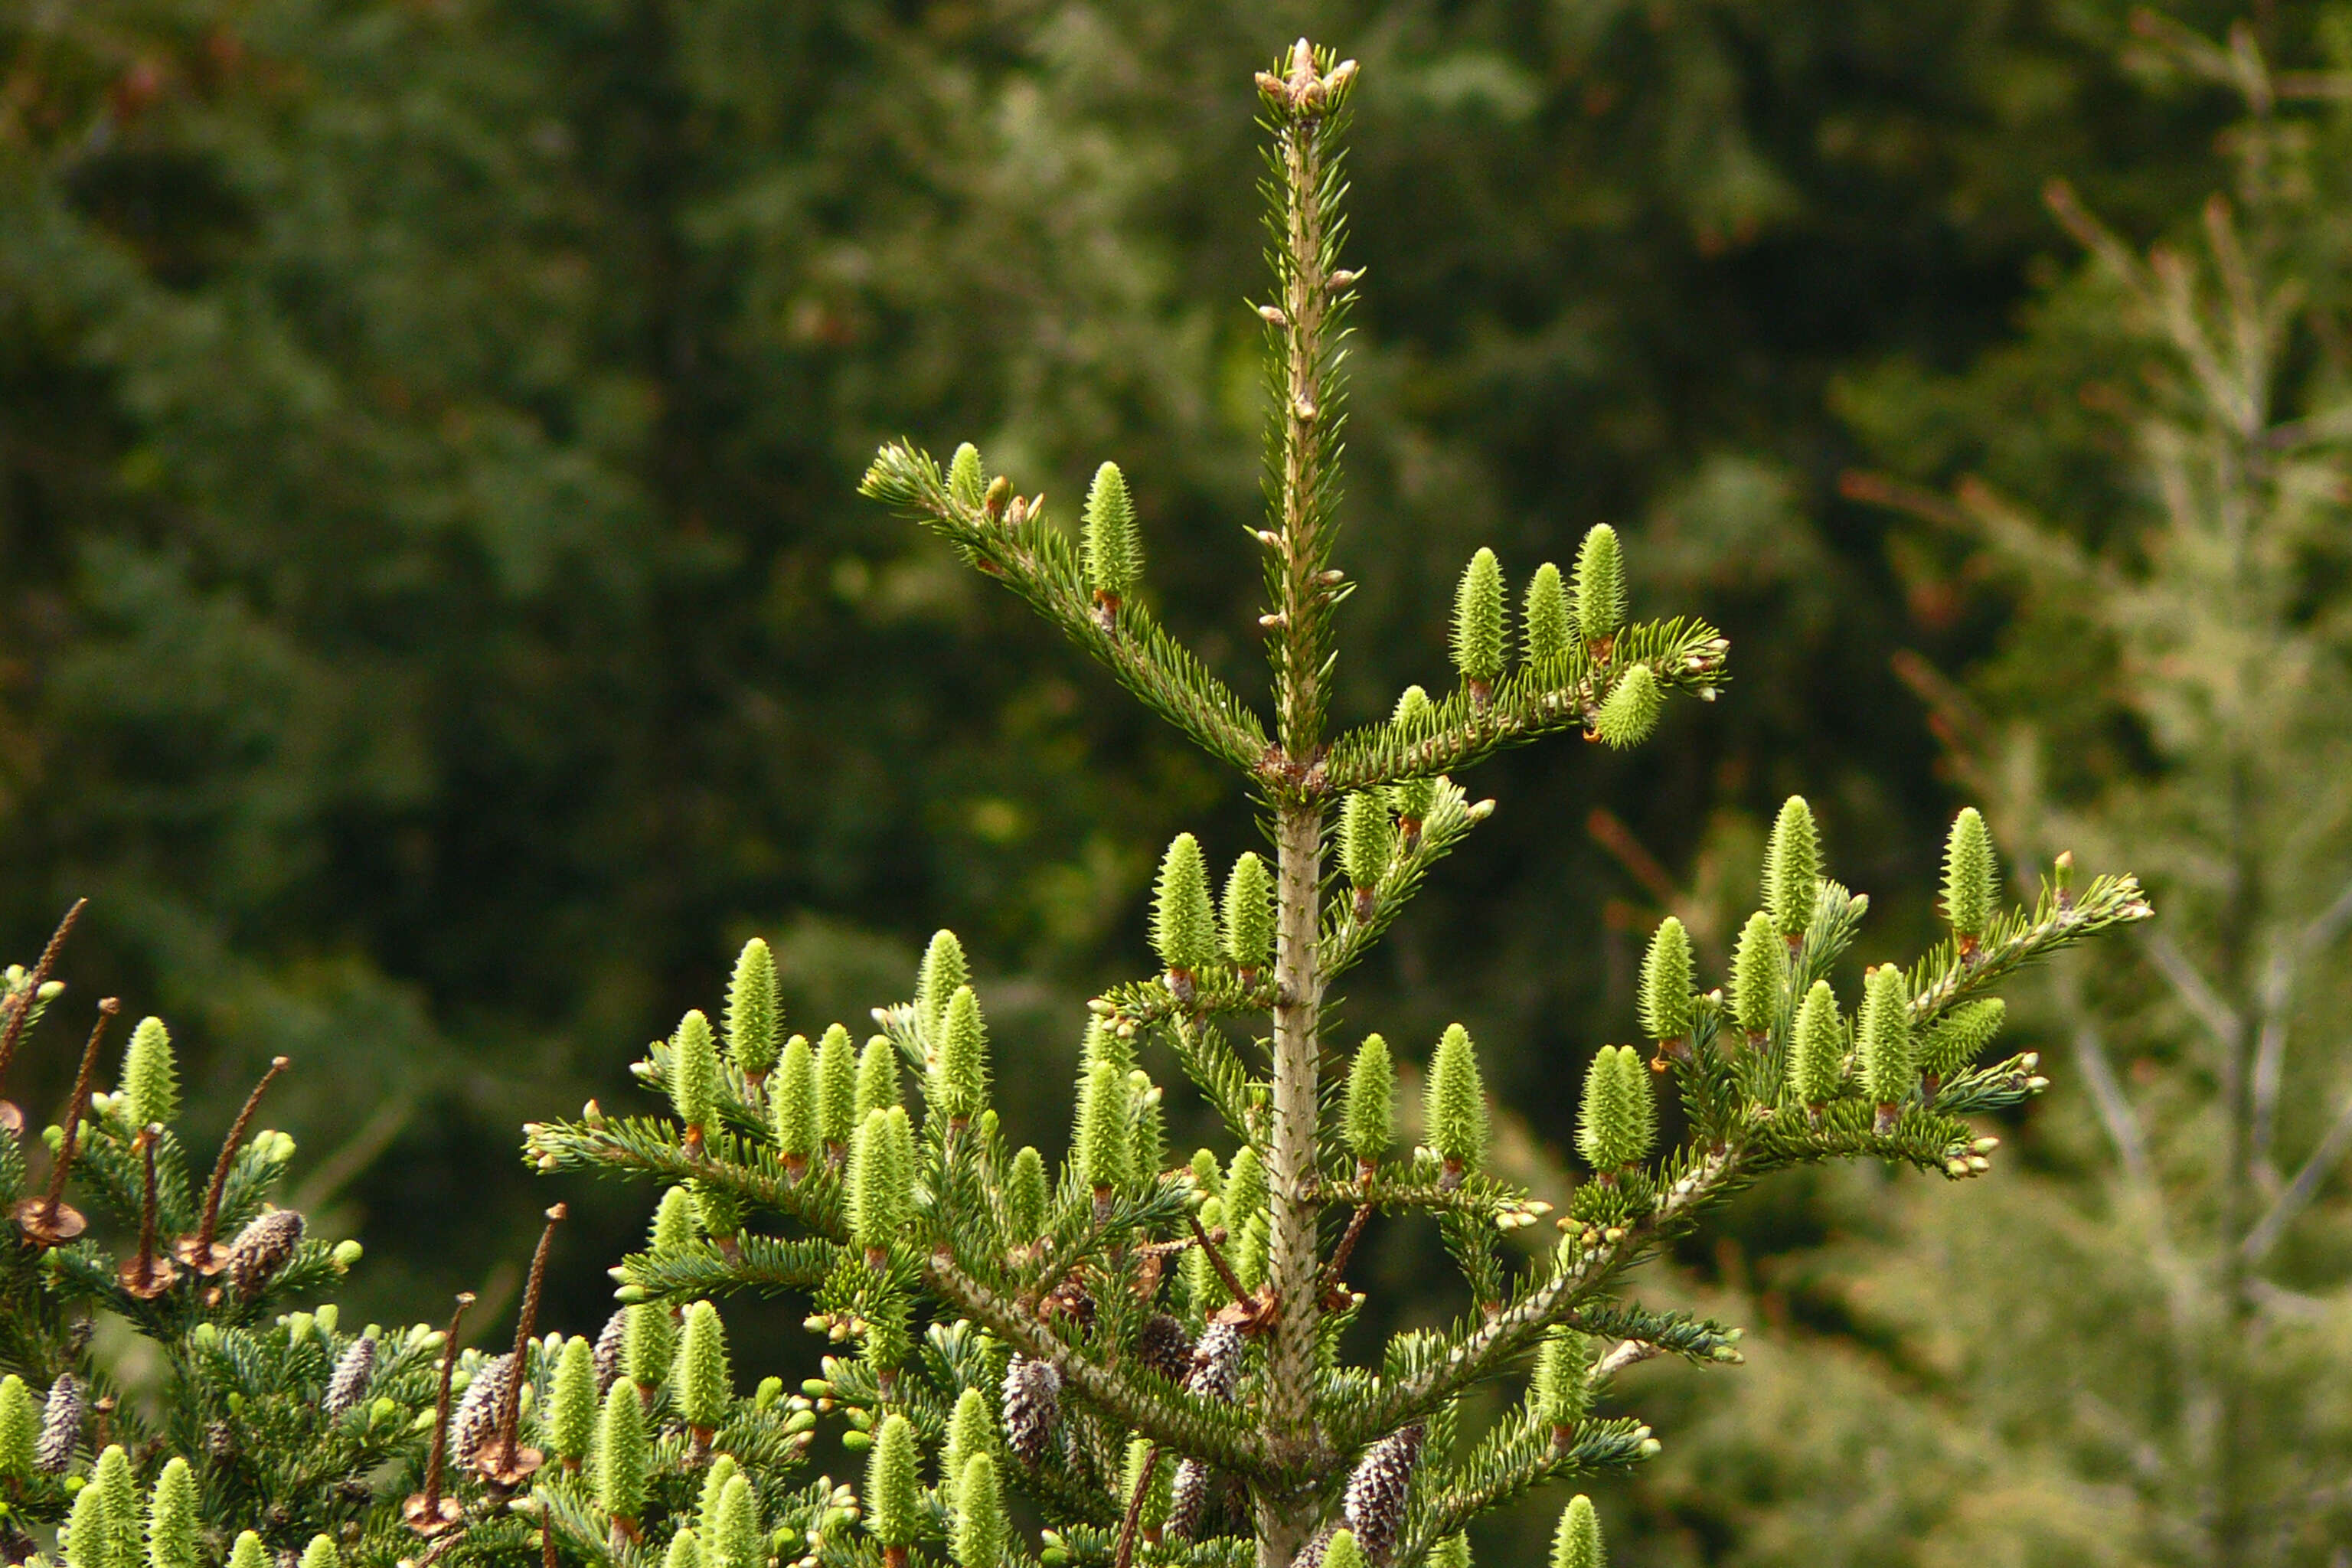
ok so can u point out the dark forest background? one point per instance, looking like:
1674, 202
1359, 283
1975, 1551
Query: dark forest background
436, 626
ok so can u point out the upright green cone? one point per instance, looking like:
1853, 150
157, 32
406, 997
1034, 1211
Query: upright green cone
1665, 992
1792, 868
1600, 586
150, 1079
694, 1076
792, 1106
1183, 922
20, 1427
1026, 1196
174, 1523
624, 1458
881, 1200
894, 1485
959, 1074
754, 1025
1456, 1106
322, 1552
705, 1384
1818, 1062
1576, 1543
1103, 1134
1341, 1552
981, 1527
967, 477
836, 1086
1365, 842
1888, 1072
1970, 878
1112, 544
572, 1404
1371, 1108
1617, 1120
944, 969
1249, 914
1757, 963
1478, 624
1545, 620
878, 1077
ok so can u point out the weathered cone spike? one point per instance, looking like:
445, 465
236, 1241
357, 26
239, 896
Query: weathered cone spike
47, 1220
504, 1464
200, 1252
148, 1276
427, 1512
12, 1121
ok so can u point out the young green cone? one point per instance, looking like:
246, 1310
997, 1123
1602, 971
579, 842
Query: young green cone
1578, 1542
754, 1026
1411, 799
1365, 838
1478, 624
673, 1228
1184, 923
882, 1183
694, 1076
1371, 1110
980, 1527
20, 1425
1249, 914
1665, 992
174, 1523
1600, 586
737, 1542
685, 1550
1453, 1552
1888, 1071
1617, 1120
1819, 1059
1544, 618
1970, 878
649, 1346
1341, 1552
705, 1384
1559, 1396
321, 1553
837, 1090
1758, 962
878, 1077
248, 1551
937, 978
623, 1456
118, 1488
793, 1104
1026, 1196
1111, 542
967, 477
713, 1497
971, 1429
572, 1404
1631, 711
89, 1542
1101, 1137
1792, 868
959, 1075
1456, 1106
151, 1081
894, 1485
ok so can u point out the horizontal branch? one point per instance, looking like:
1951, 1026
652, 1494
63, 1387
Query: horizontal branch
1505, 1470
1039, 564
649, 1145
1560, 695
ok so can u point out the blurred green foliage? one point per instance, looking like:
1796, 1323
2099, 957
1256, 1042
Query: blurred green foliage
437, 623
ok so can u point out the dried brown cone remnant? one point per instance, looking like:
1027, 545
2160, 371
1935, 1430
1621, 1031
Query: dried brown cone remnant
200, 1251
60, 1426
504, 1463
428, 1512
1377, 1491
12, 1121
611, 1344
261, 1250
1163, 1346
148, 1276
354, 1368
48, 1219
1032, 1409
476, 1424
